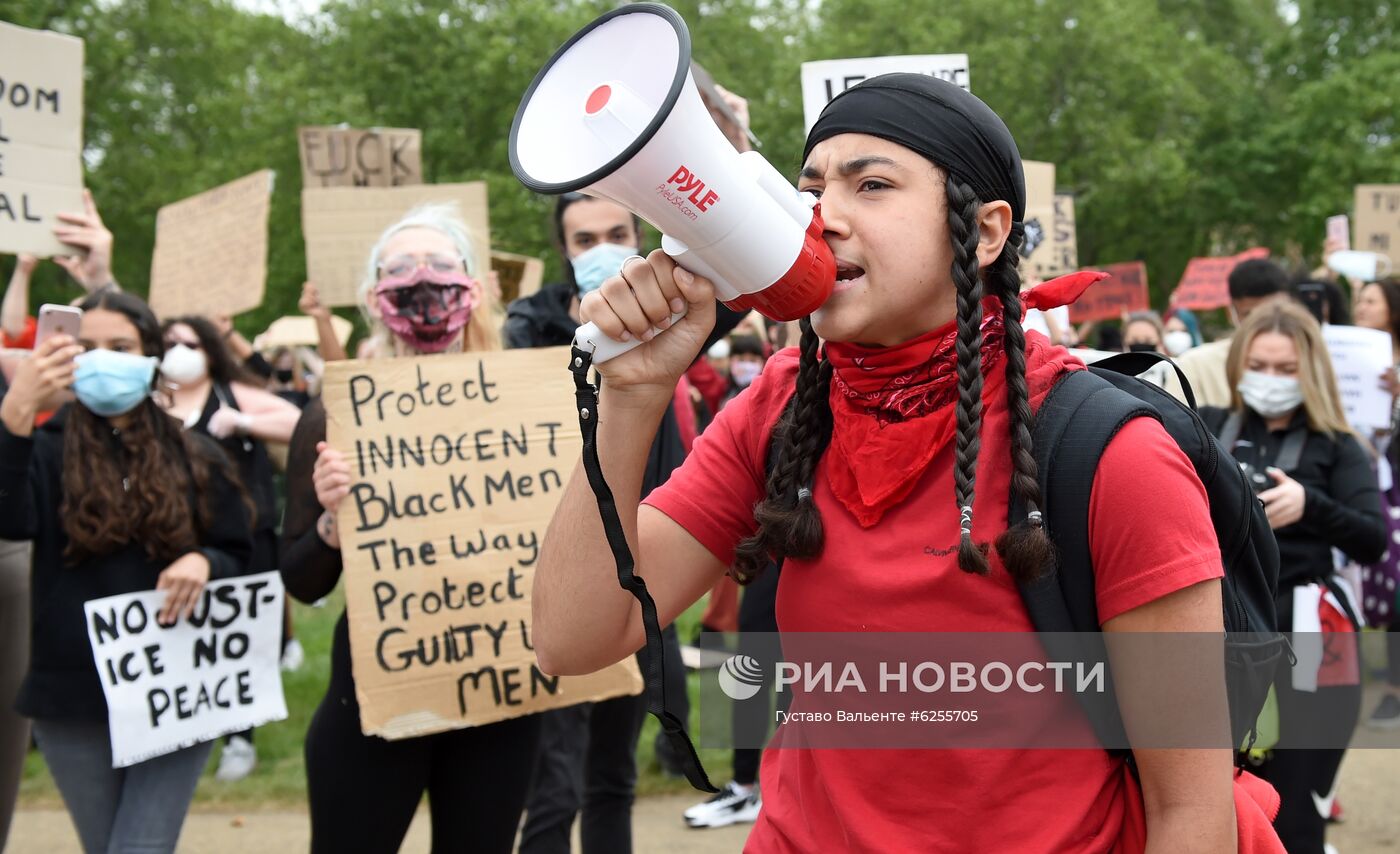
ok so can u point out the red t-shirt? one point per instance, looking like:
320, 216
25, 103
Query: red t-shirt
1150, 535
25, 340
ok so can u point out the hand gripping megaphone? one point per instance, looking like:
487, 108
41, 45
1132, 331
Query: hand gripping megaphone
615, 113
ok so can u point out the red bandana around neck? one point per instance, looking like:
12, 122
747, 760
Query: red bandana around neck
893, 407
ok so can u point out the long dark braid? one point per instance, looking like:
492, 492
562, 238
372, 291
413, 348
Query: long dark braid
1025, 548
788, 521
963, 205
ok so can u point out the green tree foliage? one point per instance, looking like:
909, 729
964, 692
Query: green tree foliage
1184, 127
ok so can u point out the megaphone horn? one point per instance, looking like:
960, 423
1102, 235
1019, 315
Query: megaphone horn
615, 113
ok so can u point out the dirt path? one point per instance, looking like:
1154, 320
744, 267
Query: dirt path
657, 829
1370, 785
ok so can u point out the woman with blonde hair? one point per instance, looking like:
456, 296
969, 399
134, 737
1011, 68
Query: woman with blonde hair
422, 294
1287, 429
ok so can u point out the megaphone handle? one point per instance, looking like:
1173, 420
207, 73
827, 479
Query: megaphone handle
591, 339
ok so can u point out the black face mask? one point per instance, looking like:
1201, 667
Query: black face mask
1142, 348
284, 375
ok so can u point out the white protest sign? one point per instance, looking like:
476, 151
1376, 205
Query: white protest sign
41, 137
824, 80
172, 687
1359, 357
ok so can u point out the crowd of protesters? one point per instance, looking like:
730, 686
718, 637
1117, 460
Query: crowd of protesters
147, 453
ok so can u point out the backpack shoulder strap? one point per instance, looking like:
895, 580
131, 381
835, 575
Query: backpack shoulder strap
1073, 426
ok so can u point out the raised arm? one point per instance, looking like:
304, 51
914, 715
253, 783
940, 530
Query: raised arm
268, 417
15, 309
328, 345
583, 620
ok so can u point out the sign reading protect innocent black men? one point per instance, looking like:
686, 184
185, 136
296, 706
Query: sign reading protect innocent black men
458, 463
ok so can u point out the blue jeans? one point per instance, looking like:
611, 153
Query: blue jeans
135, 810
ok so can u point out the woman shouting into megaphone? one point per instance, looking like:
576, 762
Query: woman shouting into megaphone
902, 424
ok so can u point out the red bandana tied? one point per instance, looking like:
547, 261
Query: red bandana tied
891, 406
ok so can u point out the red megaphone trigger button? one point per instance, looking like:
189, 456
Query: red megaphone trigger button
805, 287
599, 99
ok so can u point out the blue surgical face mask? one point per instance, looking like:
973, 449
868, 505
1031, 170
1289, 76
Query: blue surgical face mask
110, 383
595, 266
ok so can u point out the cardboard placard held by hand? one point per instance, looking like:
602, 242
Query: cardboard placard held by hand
519, 275
41, 137
1125, 290
458, 463
1038, 244
341, 224
346, 157
1206, 282
210, 674
211, 250
1378, 221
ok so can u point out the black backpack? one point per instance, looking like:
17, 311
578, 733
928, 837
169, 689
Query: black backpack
1073, 426
1075, 423
1096, 403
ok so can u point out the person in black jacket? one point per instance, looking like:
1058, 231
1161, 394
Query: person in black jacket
364, 790
209, 393
117, 499
1287, 430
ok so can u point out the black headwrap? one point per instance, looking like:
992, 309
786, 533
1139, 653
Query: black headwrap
947, 124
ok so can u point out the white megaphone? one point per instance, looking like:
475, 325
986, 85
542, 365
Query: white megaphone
1358, 265
615, 113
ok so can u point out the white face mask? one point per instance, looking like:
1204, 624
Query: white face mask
744, 372
1270, 396
1177, 342
184, 365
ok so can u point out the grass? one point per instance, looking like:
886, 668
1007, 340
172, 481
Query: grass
279, 781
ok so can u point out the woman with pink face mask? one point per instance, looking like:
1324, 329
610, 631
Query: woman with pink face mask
421, 294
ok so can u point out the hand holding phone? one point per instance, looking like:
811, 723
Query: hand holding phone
57, 320
47, 373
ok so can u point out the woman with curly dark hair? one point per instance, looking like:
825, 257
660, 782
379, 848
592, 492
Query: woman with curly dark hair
117, 499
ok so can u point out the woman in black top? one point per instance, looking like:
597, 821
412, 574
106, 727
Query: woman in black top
364, 790
1286, 428
117, 498
208, 392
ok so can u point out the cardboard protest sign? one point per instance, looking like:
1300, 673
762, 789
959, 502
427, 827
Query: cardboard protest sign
341, 224
827, 78
458, 462
1205, 284
346, 157
169, 688
1359, 357
211, 250
519, 275
1037, 248
1064, 241
1378, 220
41, 137
1124, 290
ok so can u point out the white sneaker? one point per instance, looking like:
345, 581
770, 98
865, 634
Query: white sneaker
293, 656
238, 761
732, 805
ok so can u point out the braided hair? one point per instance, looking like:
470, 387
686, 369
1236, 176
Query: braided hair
788, 522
